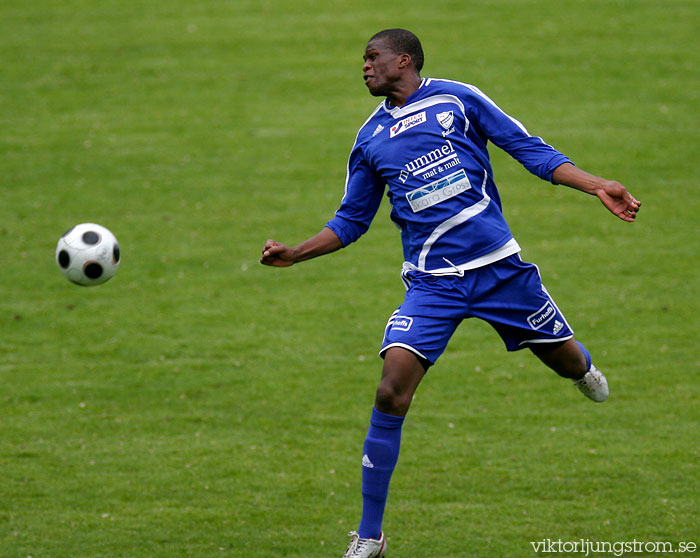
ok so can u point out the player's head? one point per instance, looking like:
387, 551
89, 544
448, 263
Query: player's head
390, 56
402, 41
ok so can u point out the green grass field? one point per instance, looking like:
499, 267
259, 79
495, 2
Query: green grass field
202, 405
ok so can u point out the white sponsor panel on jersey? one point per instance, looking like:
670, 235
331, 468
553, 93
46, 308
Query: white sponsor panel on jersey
438, 191
407, 123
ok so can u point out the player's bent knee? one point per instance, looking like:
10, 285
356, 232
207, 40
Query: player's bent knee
567, 359
392, 400
401, 375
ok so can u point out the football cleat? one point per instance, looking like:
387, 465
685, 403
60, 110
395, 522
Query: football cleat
593, 385
365, 548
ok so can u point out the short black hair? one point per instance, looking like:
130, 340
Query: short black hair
403, 41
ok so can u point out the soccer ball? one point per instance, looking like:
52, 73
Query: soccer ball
88, 254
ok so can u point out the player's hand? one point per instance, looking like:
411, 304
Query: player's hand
277, 254
618, 200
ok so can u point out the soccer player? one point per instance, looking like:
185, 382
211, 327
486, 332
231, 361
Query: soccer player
426, 142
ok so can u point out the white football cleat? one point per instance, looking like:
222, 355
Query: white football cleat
593, 385
365, 548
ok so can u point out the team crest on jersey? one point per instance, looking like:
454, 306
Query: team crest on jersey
445, 119
407, 123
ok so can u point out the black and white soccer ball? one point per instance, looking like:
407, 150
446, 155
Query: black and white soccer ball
88, 254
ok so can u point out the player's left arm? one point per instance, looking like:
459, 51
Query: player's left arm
543, 160
612, 194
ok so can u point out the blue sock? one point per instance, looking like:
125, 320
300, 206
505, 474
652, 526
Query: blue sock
381, 452
586, 354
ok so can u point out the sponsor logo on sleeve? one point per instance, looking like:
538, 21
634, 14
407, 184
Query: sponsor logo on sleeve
406, 124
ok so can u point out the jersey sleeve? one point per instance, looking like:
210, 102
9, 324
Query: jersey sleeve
363, 195
506, 132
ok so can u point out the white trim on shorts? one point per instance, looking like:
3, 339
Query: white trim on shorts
554, 340
404, 346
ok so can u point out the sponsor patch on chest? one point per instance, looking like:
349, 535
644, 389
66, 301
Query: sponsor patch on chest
407, 123
438, 191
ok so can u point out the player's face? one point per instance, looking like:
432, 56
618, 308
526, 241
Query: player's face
381, 68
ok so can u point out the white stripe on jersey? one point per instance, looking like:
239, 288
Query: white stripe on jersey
400, 112
347, 168
489, 100
461, 217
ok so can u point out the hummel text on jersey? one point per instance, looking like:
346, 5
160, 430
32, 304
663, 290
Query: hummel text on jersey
434, 161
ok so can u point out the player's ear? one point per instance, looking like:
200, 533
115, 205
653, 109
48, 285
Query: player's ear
404, 60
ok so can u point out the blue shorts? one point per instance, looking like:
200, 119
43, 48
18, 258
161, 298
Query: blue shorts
508, 294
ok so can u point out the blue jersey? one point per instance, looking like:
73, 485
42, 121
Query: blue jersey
432, 155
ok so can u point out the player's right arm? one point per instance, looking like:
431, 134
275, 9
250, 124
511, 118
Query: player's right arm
278, 255
363, 194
